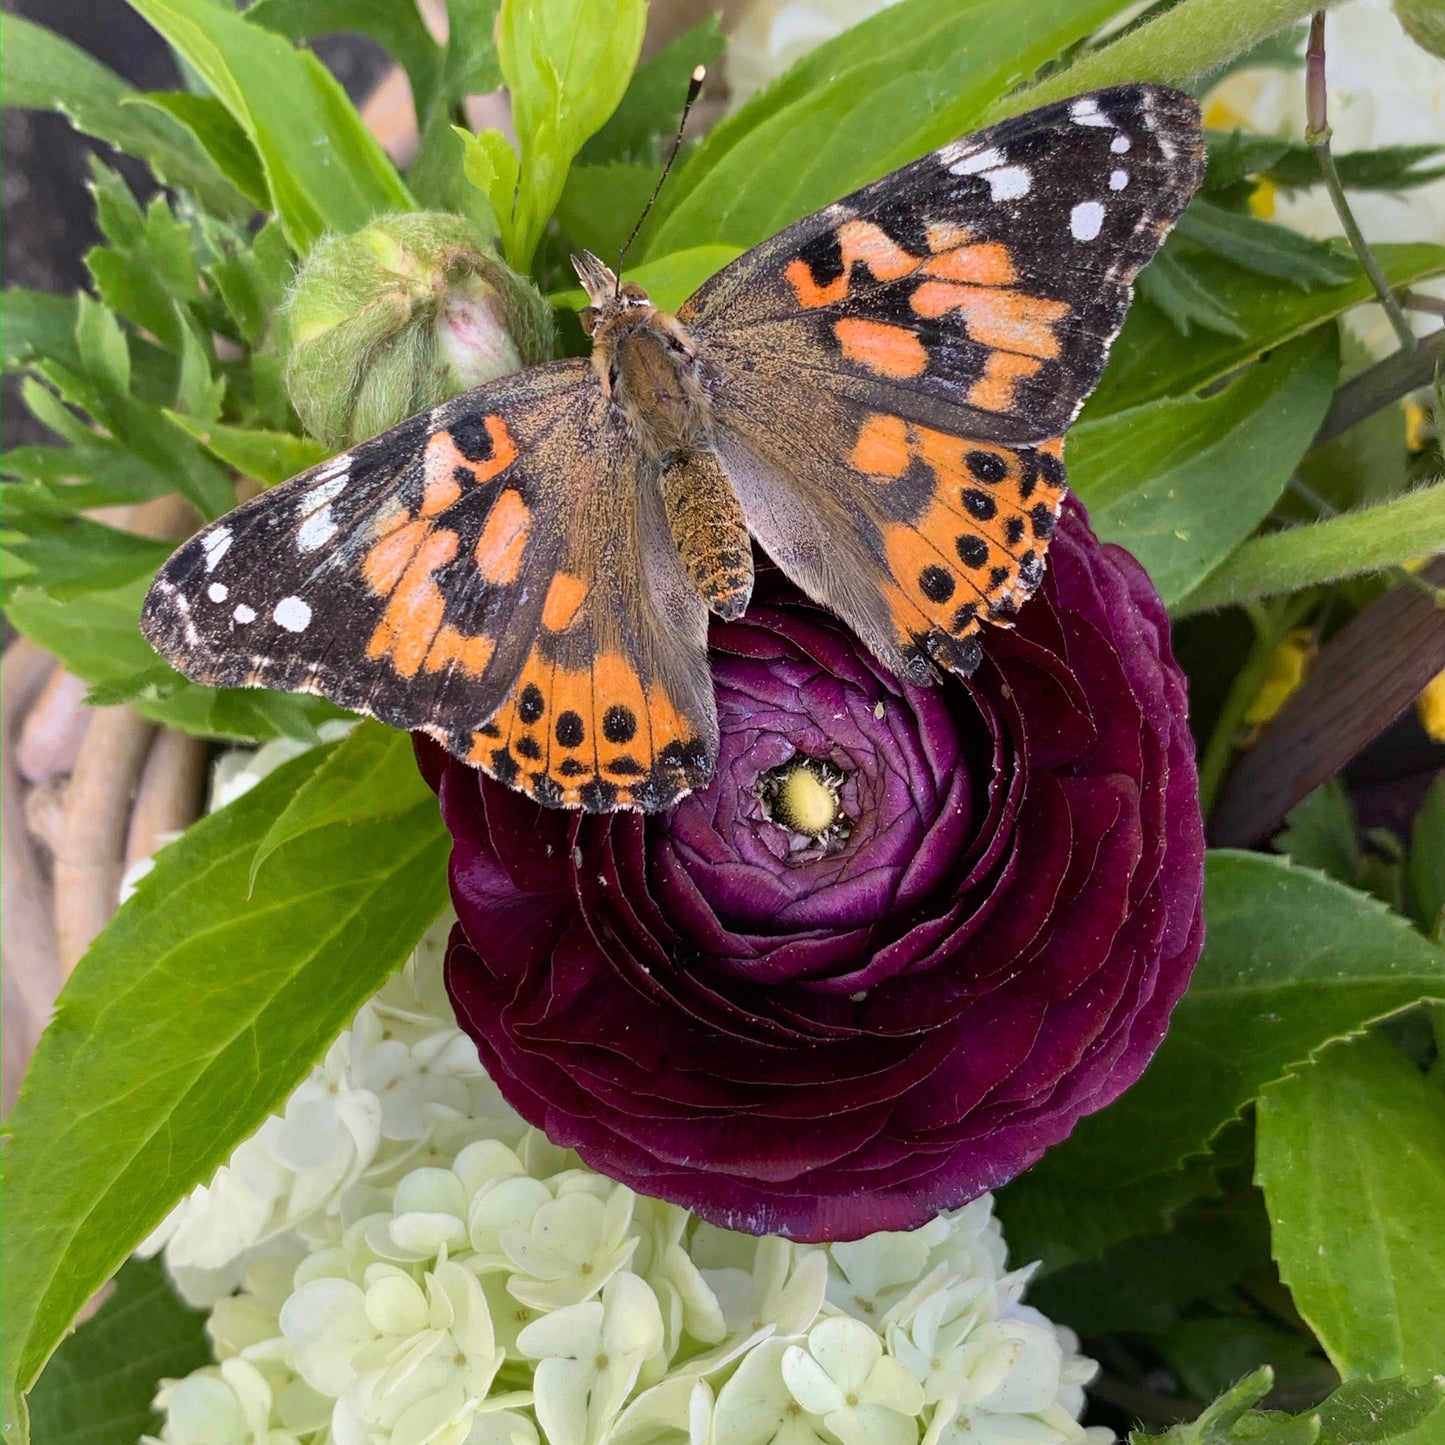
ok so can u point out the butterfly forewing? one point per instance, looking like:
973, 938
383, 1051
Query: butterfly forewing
893, 375
473, 573
975, 290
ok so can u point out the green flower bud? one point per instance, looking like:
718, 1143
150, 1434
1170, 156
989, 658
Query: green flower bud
400, 315
1424, 22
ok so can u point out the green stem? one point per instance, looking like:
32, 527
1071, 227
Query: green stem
1270, 626
1317, 134
1186, 42
1377, 386
1368, 539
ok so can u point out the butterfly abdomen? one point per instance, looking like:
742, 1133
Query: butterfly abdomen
711, 535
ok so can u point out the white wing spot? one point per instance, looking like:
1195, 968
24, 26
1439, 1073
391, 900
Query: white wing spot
1086, 112
1008, 184
218, 591
1086, 220
244, 614
979, 161
1118, 180
292, 614
215, 544
316, 531
1120, 144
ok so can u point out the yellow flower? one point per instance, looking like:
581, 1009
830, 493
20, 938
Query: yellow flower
1288, 666
1431, 707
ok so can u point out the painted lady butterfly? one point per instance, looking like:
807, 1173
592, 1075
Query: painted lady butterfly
878, 395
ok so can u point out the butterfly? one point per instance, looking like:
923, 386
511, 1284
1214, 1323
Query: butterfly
877, 395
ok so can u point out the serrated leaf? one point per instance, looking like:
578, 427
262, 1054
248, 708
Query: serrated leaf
1291, 961
1171, 284
193, 1015
490, 165
912, 77
98, 1387
324, 170
198, 392
1182, 482
35, 324
270, 457
101, 346
1263, 247
218, 134
567, 64
1321, 833
1350, 1154
41, 70
1386, 168
1150, 360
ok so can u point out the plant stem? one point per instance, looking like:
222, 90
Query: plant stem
1423, 301
1378, 385
1317, 134
1187, 41
1270, 626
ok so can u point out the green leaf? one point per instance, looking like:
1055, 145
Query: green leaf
471, 64
490, 165
41, 70
1359, 1412
101, 345
356, 782
1387, 168
97, 636
1170, 282
600, 205
197, 391
1149, 361
218, 134
1351, 1158
268, 456
97, 1389
669, 280
1183, 481
72, 555
654, 100
1264, 247
567, 64
395, 25
193, 1016
1425, 872
35, 324
1321, 833
1291, 960
1366, 540
325, 171
907, 79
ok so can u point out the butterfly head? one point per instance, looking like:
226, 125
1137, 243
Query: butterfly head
609, 298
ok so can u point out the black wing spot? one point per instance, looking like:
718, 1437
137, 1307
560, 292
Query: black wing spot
472, 439
1043, 520
625, 766
569, 730
528, 747
504, 766
531, 705
963, 618
619, 724
998, 576
986, 466
1014, 530
936, 584
979, 504
972, 551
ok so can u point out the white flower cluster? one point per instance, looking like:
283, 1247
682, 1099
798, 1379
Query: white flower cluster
417, 1267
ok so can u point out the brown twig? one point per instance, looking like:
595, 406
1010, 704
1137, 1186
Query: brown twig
1364, 677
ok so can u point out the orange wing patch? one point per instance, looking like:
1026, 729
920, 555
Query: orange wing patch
975, 549
884, 349
861, 243
592, 738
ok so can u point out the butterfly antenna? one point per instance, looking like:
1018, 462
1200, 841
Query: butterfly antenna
694, 86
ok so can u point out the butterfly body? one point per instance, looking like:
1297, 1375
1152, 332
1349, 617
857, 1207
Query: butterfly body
877, 395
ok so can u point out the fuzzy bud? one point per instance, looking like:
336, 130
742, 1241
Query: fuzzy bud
401, 315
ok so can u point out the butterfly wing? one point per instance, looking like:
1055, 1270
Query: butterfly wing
891, 376
497, 573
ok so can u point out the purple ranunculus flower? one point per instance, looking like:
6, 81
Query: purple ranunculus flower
825, 1036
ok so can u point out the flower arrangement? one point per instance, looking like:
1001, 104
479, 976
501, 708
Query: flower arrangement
708, 1124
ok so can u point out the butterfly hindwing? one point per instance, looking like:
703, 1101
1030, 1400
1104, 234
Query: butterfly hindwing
977, 289
496, 572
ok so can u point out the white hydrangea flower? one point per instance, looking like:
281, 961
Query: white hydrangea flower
466, 1282
588, 1359
862, 1395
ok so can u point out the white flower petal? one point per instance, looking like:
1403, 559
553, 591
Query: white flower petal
809, 1383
